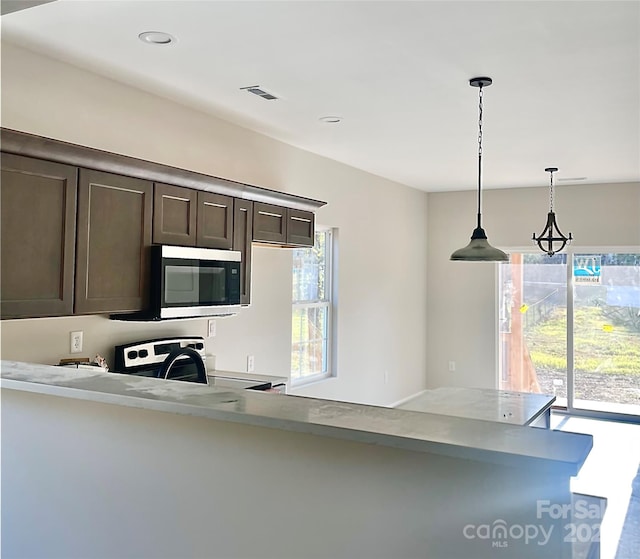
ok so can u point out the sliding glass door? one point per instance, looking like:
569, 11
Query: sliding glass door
606, 332
570, 326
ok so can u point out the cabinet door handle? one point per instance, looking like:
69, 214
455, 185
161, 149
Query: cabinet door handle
179, 198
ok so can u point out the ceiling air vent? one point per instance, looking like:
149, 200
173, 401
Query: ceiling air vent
257, 90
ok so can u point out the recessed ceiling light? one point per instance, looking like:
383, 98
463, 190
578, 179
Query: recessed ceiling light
156, 38
330, 119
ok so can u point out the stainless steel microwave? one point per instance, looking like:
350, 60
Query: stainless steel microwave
191, 282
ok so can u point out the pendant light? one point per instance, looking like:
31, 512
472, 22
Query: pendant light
479, 249
546, 236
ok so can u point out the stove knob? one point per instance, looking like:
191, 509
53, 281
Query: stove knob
143, 353
132, 355
199, 345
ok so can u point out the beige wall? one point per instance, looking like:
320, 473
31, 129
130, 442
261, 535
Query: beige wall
381, 273
462, 296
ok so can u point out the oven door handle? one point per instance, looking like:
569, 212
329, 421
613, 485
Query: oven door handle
175, 355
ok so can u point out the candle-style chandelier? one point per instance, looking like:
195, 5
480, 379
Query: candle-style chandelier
551, 233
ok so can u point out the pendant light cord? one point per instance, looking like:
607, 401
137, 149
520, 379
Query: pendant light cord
551, 193
479, 156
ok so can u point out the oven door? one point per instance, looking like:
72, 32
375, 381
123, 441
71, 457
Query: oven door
197, 282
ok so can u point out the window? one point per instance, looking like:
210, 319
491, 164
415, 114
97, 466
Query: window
312, 315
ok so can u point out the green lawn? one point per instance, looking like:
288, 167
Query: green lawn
600, 345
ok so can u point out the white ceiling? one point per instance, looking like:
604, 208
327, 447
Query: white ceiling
566, 76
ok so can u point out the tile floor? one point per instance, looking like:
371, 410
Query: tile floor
608, 470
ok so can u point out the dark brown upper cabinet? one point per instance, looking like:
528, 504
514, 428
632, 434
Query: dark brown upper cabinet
214, 227
300, 227
188, 217
242, 236
174, 215
38, 237
269, 223
114, 236
283, 226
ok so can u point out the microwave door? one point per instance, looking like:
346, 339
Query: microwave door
201, 285
181, 286
213, 289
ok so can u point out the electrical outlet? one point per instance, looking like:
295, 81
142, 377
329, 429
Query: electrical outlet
386, 377
211, 328
452, 366
75, 342
250, 363
210, 362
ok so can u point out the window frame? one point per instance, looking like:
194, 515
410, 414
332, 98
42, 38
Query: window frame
329, 303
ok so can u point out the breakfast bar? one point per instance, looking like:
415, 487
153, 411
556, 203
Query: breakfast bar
214, 464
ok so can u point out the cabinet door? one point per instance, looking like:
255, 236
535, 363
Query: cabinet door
215, 221
114, 236
242, 235
174, 215
38, 201
300, 228
269, 223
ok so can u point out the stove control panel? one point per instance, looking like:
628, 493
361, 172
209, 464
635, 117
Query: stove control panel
150, 353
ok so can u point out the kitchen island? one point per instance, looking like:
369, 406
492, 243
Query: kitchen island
518, 408
143, 467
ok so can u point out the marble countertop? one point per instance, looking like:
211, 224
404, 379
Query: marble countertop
248, 376
518, 408
485, 441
